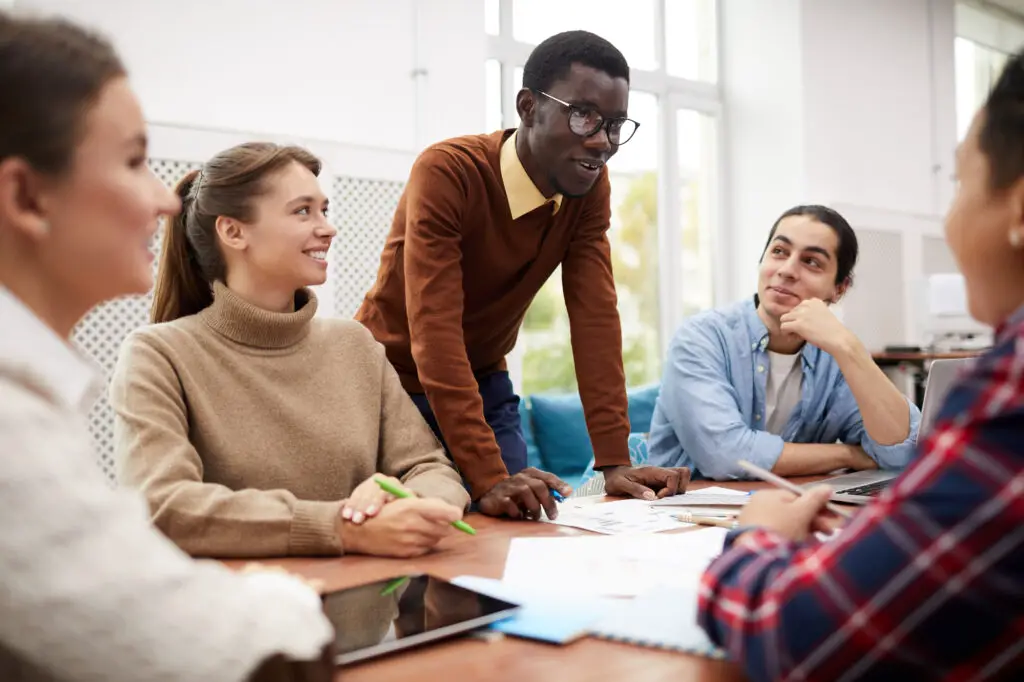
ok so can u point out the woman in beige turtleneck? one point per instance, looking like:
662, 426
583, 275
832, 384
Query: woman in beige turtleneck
248, 422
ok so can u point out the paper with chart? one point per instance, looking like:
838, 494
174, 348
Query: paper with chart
716, 496
611, 565
641, 516
620, 517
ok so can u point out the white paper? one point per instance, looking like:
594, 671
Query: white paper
620, 517
611, 566
534, 594
665, 618
712, 496
717, 490
517, 594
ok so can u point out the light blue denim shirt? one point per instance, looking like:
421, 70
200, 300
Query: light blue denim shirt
710, 412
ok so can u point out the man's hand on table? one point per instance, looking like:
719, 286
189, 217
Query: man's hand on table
646, 482
523, 495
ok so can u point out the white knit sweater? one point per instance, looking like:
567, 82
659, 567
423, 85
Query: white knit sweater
88, 589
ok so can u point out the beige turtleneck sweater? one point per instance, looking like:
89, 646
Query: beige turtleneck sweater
245, 429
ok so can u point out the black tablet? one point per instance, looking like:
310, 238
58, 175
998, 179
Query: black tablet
405, 611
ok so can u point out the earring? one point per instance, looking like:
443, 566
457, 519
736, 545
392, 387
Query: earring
1017, 238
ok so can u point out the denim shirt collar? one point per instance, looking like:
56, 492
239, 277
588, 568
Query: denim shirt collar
758, 333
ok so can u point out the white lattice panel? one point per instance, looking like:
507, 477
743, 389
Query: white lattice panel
100, 333
362, 211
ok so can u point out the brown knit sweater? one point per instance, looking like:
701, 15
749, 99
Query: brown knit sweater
456, 277
245, 429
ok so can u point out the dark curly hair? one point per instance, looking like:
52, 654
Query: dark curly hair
551, 60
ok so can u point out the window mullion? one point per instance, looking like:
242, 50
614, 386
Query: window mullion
660, 39
674, 95
669, 226
508, 99
505, 26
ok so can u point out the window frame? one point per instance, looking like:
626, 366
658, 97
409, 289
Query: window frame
674, 93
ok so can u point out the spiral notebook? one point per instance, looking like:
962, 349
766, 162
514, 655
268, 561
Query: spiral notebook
663, 619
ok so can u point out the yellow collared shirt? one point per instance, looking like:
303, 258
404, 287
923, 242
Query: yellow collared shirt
523, 195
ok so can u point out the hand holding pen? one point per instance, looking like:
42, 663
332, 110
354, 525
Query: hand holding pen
794, 513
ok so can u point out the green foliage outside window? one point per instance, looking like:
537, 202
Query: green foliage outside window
547, 362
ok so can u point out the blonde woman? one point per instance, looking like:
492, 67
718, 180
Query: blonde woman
253, 427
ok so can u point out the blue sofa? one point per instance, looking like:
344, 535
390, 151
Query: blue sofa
556, 432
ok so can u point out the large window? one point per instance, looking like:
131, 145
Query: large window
664, 181
977, 69
985, 38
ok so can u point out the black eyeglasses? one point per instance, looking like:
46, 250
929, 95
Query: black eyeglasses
585, 122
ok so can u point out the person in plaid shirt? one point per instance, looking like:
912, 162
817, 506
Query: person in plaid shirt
927, 582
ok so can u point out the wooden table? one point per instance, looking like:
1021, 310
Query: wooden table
507, 659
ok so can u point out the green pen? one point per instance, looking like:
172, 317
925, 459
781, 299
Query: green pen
398, 492
393, 585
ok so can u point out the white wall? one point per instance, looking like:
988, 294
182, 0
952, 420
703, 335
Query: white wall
849, 104
341, 71
868, 104
762, 91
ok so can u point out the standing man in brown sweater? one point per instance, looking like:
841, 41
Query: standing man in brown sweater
482, 224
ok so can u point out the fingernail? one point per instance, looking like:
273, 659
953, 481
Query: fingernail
371, 510
346, 513
649, 495
357, 517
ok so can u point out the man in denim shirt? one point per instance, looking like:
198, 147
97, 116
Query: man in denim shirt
779, 380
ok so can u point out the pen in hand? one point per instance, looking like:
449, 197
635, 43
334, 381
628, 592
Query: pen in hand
780, 482
403, 494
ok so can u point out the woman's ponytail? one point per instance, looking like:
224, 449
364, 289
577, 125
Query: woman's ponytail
181, 287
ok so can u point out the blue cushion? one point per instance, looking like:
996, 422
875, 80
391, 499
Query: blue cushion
560, 432
533, 457
641, 407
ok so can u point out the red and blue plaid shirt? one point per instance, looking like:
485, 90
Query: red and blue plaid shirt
925, 583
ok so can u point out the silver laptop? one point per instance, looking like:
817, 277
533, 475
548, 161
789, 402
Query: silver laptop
861, 486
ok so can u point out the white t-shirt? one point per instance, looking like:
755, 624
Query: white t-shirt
782, 392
